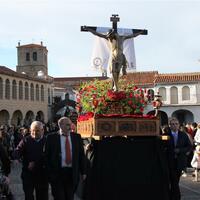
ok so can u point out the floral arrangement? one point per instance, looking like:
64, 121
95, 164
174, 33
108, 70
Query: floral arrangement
97, 97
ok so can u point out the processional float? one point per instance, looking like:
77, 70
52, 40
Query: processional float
115, 108
128, 159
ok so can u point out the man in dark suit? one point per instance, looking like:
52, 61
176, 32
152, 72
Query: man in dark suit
182, 145
65, 160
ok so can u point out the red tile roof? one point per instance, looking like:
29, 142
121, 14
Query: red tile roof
79, 78
75, 81
178, 77
153, 77
145, 78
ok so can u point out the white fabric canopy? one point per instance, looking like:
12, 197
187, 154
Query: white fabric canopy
101, 51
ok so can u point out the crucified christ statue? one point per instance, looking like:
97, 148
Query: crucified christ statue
117, 59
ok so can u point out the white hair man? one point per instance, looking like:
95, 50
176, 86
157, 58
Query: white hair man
31, 150
65, 160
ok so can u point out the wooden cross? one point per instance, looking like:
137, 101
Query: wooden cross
114, 19
118, 60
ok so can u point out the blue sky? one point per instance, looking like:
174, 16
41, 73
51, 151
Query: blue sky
172, 44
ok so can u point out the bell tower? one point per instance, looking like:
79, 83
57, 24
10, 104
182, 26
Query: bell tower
32, 60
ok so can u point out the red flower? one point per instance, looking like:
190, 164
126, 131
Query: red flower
130, 103
131, 95
95, 96
135, 88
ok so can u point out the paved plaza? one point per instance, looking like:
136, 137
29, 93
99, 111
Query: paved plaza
190, 189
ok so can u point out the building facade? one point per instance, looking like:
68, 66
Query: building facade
180, 93
23, 99
26, 94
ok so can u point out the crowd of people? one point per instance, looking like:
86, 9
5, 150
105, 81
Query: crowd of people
48, 158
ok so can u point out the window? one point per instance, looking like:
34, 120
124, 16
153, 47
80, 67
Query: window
26, 91
27, 56
185, 93
35, 56
42, 93
20, 90
162, 92
7, 89
32, 92
174, 95
14, 89
37, 92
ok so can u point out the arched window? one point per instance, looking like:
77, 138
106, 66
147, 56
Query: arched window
27, 56
174, 95
32, 92
37, 92
20, 90
185, 93
14, 89
1, 88
35, 56
7, 89
42, 93
162, 92
26, 91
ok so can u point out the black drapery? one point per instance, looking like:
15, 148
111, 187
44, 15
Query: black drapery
123, 169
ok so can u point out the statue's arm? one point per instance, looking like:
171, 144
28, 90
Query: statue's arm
95, 32
133, 35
